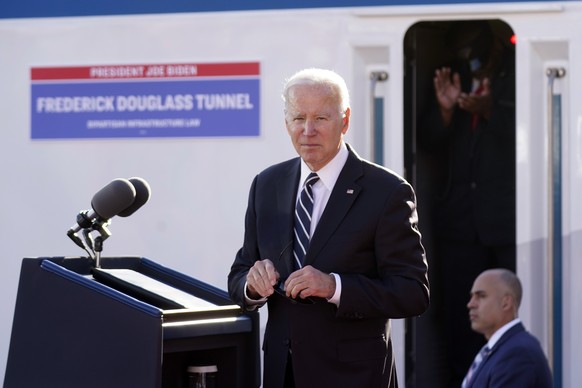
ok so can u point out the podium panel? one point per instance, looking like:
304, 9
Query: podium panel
130, 323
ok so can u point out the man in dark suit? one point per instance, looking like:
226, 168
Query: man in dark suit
364, 263
512, 357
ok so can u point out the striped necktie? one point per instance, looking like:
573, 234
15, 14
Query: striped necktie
303, 210
483, 353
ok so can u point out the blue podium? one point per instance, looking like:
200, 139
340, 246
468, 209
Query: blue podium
129, 323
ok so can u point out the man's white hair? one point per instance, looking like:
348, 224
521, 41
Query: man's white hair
316, 76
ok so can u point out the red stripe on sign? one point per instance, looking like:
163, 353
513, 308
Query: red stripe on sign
178, 70
47, 73
216, 69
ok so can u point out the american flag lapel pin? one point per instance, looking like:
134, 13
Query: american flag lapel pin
350, 191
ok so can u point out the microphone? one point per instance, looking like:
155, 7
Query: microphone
142, 195
115, 197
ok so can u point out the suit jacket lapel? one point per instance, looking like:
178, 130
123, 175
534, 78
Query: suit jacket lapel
286, 190
508, 334
342, 197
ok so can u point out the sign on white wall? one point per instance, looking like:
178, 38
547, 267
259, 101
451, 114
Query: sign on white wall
153, 100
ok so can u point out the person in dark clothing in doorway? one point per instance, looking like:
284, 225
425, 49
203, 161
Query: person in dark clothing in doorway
472, 128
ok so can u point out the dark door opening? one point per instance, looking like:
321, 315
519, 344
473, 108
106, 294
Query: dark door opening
463, 171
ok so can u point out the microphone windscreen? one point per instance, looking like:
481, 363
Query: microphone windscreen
142, 195
116, 196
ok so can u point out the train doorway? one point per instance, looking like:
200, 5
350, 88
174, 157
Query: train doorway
459, 120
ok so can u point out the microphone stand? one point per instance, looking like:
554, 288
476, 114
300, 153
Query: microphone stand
88, 243
98, 250
93, 247
85, 223
104, 233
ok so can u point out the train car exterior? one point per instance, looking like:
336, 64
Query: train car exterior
196, 226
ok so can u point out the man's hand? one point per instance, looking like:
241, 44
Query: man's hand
309, 281
261, 278
478, 103
448, 89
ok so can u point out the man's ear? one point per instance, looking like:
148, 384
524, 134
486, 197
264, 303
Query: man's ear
507, 302
346, 120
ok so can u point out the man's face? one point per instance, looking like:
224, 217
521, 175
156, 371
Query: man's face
488, 305
315, 123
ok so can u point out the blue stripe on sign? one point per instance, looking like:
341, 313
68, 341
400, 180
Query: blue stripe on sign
176, 108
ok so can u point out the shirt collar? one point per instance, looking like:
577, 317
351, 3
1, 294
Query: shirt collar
502, 330
329, 173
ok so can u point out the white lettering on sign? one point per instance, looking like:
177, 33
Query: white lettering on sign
182, 70
75, 104
116, 71
223, 101
155, 102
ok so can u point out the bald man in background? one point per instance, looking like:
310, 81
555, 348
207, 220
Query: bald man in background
512, 356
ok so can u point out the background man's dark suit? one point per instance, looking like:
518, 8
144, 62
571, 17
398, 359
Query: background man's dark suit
516, 360
368, 235
477, 199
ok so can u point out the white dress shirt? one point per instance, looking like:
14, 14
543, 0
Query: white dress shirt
322, 189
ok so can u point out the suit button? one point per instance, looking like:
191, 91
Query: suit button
473, 185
